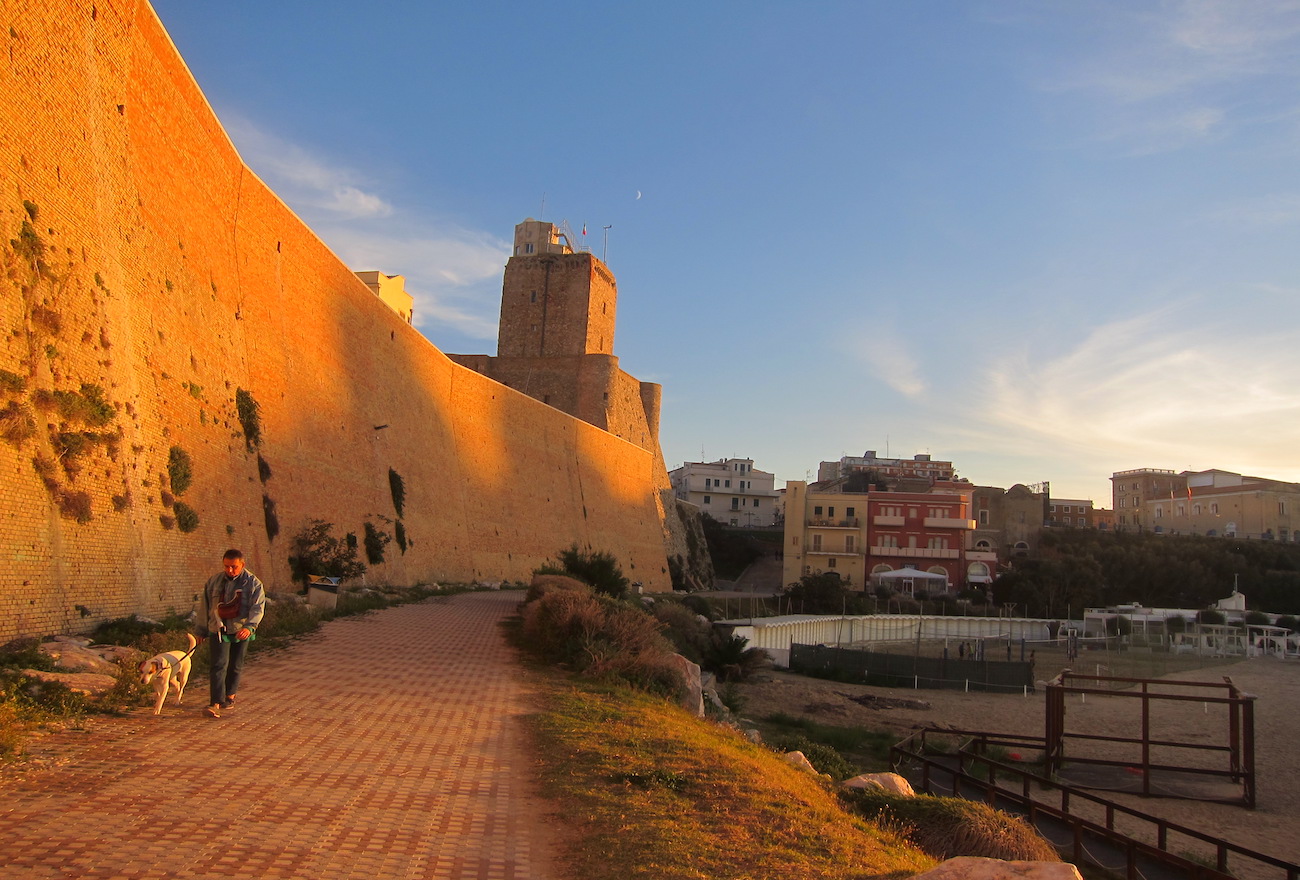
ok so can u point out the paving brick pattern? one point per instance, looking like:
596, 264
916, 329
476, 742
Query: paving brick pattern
387, 746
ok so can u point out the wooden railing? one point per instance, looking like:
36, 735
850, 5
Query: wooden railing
1000, 782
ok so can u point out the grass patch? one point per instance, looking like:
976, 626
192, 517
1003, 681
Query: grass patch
949, 827
866, 750
650, 791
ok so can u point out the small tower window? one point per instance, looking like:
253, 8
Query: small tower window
532, 296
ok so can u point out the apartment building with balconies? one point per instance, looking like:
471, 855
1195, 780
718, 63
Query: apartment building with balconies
1075, 513
860, 534
920, 467
731, 490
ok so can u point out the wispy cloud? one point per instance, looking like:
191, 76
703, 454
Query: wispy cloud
1168, 75
452, 272
892, 360
1151, 389
301, 178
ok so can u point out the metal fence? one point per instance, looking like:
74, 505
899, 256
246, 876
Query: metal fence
904, 671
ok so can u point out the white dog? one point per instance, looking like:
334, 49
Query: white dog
170, 669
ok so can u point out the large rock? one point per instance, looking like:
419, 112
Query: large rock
693, 699
69, 655
890, 782
89, 683
975, 868
800, 761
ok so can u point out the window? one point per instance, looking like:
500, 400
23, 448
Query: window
1052, 508
1281, 508
937, 544
817, 511
707, 499
528, 248
1083, 520
707, 482
817, 543
887, 541
532, 296
830, 563
848, 511
984, 517
727, 484
1214, 508
735, 503
1160, 512
756, 502
848, 543
830, 512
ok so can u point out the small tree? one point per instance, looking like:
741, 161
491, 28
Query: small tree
597, 568
317, 552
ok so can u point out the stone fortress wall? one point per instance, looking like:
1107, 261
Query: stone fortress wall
164, 315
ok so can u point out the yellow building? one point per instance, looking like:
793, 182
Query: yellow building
391, 290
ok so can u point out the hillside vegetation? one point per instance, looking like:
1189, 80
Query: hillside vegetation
1083, 567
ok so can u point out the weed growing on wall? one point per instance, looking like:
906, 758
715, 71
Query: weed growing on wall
399, 533
269, 515
398, 488
180, 471
186, 519
250, 418
376, 541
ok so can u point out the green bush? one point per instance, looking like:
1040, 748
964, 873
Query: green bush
180, 470
187, 520
691, 636
824, 758
597, 568
317, 552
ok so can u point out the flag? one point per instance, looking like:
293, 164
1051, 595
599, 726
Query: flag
584, 229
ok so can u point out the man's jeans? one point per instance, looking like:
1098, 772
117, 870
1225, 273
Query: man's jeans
227, 664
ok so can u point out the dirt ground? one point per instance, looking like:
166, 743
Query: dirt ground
1273, 828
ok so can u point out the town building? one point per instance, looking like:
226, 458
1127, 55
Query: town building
1103, 519
1008, 522
1213, 502
731, 490
1069, 512
889, 470
865, 534
391, 290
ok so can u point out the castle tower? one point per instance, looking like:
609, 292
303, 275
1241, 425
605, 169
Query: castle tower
555, 301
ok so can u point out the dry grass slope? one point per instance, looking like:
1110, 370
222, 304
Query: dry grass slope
651, 791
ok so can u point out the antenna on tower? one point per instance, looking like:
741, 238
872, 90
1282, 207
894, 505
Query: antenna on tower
542, 215
605, 250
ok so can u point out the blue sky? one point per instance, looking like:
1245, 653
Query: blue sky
1044, 240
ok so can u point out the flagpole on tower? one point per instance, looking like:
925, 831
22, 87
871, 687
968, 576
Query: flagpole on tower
604, 252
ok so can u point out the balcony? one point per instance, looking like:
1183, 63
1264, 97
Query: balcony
981, 556
834, 523
888, 520
941, 522
915, 552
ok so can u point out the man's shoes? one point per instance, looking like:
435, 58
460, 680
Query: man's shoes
228, 705
213, 711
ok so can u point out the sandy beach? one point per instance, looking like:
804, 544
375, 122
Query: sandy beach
1272, 828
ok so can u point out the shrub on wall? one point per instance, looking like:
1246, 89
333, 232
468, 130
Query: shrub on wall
186, 519
398, 488
376, 541
272, 521
180, 470
250, 418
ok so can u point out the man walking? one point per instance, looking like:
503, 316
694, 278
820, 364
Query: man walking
233, 604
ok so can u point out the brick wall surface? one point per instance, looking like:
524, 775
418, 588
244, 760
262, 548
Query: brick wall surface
160, 270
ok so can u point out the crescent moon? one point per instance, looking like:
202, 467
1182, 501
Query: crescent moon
638, 194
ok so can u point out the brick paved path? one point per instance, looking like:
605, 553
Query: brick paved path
386, 746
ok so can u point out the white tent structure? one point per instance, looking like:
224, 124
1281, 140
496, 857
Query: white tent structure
905, 580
